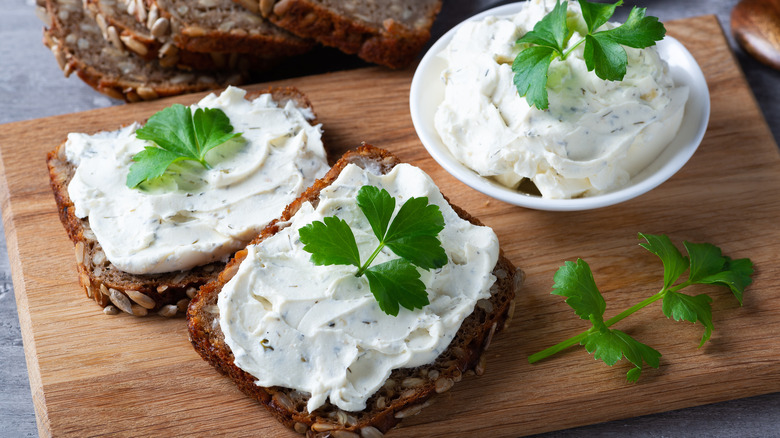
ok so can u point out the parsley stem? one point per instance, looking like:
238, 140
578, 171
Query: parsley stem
635, 307
365, 266
572, 48
574, 340
547, 352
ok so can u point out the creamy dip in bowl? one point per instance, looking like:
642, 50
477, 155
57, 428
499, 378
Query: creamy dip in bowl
592, 181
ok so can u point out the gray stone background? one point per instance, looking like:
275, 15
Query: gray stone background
32, 86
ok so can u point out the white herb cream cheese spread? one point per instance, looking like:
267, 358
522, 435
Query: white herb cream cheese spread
319, 329
192, 216
595, 135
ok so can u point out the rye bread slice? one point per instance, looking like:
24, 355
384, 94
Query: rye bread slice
151, 41
221, 26
407, 390
166, 293
389, 33
133, 35
78, 45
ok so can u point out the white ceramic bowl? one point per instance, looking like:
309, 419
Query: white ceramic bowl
427, 93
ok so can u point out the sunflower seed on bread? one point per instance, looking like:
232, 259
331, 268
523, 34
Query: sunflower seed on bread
408, 390
152, 41
79, 46
223, 27
113, 13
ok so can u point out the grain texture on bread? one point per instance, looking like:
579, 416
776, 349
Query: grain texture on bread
223, 26
152, 41
105, 64
166, 293
407, 390
389, 33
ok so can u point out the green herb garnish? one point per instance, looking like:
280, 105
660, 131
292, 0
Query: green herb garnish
603, 50
411, 235
705, 265
178, 135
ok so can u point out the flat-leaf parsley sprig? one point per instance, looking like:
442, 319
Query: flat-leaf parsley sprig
411, 235
178, 135
603, 51
705, 265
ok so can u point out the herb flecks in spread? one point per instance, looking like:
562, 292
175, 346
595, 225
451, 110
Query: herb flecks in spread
411, 235
603, 49
594, 137
330, 337
192, 216
178, 134
705, 265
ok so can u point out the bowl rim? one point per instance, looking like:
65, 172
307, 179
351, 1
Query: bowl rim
698, 104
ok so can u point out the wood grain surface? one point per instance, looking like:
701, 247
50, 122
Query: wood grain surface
93, 375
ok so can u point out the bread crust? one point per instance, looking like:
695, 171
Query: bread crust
407, 390
166, 293
392, 44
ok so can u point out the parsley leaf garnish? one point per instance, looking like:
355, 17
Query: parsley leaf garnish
178, 134
551, 31
705, 265
411, 235
575, 282
531, 67
610, 346
603, 51
330, 242
396, 282
597, 14
697, 308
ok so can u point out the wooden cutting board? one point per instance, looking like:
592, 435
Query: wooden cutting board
93, 374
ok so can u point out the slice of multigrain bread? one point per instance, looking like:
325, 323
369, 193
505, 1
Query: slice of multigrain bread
78, 45
166, 293
133, 35
385, 32
152, 40
219, 26
407, 390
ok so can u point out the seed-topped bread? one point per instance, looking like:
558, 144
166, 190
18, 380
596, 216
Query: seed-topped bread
133, 35
165, 293
152, 41
78, 44
407, 390
221, 26
389, 33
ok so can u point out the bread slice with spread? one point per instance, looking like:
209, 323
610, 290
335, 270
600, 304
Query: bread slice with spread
311, 344
147, 249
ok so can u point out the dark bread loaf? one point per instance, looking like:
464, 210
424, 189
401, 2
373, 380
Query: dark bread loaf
78, 45
166, 293
407, 390
389, 33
